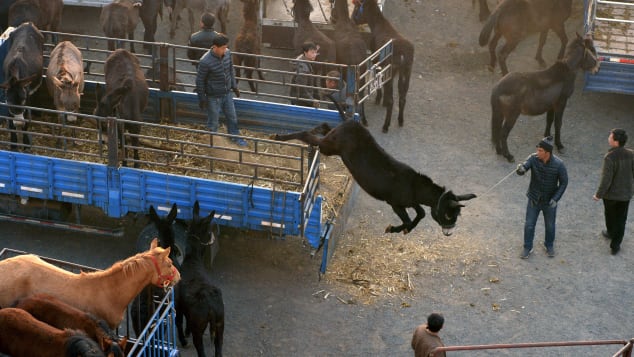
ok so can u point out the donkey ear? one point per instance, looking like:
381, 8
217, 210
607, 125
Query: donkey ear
153, 215
465, 197
173, 213
196, 209
154, 243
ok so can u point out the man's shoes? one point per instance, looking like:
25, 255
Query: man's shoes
239, 142
526, 253
605, 234
614, 251
550, 251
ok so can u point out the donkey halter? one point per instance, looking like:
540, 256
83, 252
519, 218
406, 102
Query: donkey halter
163, 280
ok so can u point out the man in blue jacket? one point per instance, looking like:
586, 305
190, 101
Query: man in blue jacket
549, 180
215, 82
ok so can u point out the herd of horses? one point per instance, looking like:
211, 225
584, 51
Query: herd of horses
61, 313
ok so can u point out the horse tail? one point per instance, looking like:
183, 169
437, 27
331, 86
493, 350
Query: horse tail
485, 34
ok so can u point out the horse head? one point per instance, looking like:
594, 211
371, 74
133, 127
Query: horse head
447, 210
108, 102
165, 273
581, 53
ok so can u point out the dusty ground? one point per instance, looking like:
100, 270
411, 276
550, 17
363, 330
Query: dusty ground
276, 306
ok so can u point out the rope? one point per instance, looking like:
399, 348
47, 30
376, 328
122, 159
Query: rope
499, 182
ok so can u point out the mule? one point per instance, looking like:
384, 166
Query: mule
367, 11
105, 294
142, 306
58, 314
197, 298
247, 41
126, 93
119, 20
351, 48
307, 31
65, 79
22, 335
382, 176
534, 93
194, 9
23, 68
515, 19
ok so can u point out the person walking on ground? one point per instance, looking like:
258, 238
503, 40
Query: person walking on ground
615, 188
203, 38
307, 97
215, 82
549, 180
426, 337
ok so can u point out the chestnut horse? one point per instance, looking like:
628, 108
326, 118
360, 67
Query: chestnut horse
57, 313
534, 93
105, 294
515, 19
22, 335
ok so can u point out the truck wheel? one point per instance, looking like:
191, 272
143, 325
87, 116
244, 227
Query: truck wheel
150, 232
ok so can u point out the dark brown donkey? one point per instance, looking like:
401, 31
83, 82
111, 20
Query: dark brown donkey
126, 95
367, 11
119, 20
515, 19
247, 42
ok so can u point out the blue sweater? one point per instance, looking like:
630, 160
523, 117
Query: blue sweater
216, 76
548, 180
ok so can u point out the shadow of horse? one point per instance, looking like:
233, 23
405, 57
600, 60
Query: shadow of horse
367, 11
515, 19
533, 93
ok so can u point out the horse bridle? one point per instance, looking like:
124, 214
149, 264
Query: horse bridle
163, 280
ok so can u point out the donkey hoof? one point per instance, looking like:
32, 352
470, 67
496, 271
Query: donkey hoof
509, 158
385, 129
388, 229
405, 231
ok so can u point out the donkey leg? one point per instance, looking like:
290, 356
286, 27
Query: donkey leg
197, 339
538, 55
493, 44
559, 116
249, 75
179, 326
403, 87
550, 117
420, 214
506, 49
401, 212
504, 134
388, 103
218, 338
560, 30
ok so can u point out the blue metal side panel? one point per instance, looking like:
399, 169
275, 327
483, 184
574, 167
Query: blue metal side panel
236, 205
314, 225
54, 179
612, 77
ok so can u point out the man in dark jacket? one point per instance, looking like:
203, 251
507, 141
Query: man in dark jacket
306, 94
615, 188
549, 180
203, 38
215, 81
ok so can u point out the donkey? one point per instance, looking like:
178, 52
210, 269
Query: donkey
197, 299
515, 19
177, 6
23, 68
382, 176
367, 11
119, 20
45, 14
307, 31
533, 93
65, 78
247, 42
351, 48
126, 93
61, 315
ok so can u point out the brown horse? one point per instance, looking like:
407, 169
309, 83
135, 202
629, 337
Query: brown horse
22, 335
515, 19
247, 42
105, 294
57, 313
175, 7
119, 20
367, 11
533, 93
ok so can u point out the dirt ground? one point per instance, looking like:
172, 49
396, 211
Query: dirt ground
276, 305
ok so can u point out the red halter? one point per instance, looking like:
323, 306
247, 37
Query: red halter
162, 281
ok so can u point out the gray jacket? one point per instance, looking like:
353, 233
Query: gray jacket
202, 39
302, 68
617, 175
548, 180
216, 76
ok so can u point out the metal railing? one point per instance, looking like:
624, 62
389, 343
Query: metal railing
625, 351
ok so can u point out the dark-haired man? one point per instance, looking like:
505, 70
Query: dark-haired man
615, 188
549, 180
426, 337
203, 38
216, 86
306, 94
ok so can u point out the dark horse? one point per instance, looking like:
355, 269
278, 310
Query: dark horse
367, 11
247, 42
22, 69
351, 47
22, 335
126, 94
515, 19
197, 299
61, 315
533, 93
382, 176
